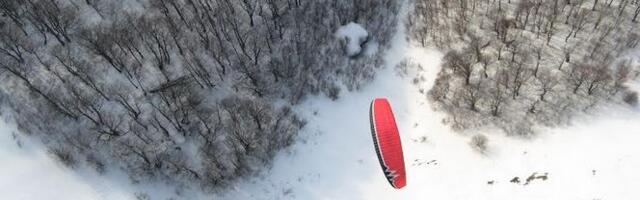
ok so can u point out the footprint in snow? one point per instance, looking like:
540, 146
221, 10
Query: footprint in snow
418, 162
531, 178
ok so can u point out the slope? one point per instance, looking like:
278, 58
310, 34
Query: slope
334, 157
596, 158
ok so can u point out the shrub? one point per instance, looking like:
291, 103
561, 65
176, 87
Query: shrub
63, 155
631, 98
96, 163
479, 143
334, 92
142, 196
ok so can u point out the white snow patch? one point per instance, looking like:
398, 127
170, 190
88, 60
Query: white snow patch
355, 35
635, 86
29, 172
370, 48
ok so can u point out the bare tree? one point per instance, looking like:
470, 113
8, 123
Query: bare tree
546, 84
459, 64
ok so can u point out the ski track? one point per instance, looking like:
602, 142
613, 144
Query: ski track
334, 157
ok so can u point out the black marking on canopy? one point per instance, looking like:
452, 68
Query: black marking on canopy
390, 175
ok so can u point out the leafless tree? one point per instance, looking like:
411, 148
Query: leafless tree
459, 64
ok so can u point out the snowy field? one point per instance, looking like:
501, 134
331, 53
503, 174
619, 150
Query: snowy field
596, 158
28, 172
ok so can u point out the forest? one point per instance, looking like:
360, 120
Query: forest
205, 92
516, 64
184, 91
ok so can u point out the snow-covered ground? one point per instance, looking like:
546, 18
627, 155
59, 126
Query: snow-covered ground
28, 172
596, 158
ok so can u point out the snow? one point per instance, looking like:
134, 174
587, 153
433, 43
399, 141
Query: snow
355, 35
28, 172
333, 158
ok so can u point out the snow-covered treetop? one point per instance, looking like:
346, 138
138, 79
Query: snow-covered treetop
355, 35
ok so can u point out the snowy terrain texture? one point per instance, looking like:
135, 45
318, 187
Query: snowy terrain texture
333, 158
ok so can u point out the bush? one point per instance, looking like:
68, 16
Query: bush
63, 155
334, 92
95, 163
479, 143
631, 98
142, 196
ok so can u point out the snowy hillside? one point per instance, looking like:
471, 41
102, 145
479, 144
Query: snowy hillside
28, 172
333, 157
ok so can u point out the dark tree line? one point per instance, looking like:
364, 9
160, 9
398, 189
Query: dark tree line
513, 64
176, 90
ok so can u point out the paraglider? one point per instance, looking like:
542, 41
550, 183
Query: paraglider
386, 140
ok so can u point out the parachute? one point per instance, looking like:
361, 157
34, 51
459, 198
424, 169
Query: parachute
386, 140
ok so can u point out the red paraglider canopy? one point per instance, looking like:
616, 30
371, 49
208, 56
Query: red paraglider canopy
386, 140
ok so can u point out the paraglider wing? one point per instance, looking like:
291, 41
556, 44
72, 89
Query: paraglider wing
386, 140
